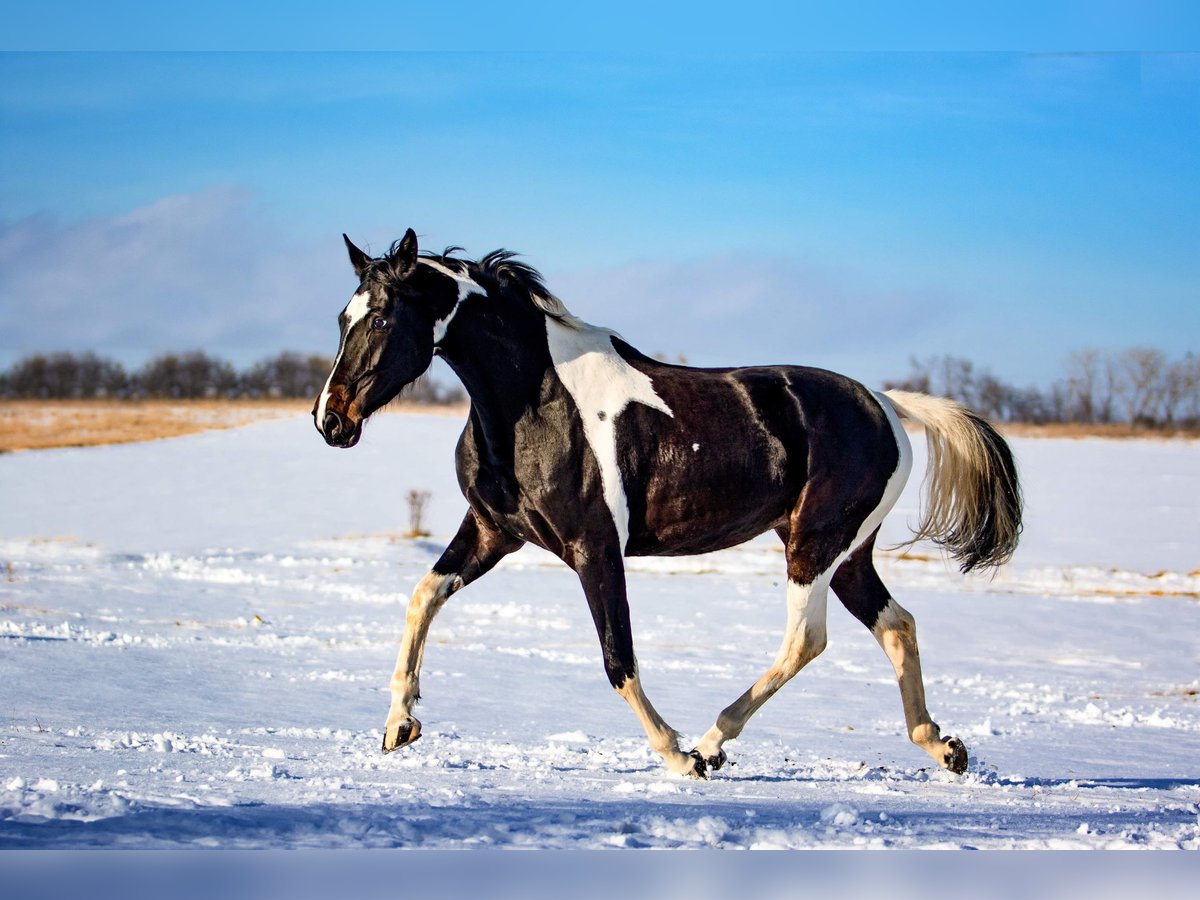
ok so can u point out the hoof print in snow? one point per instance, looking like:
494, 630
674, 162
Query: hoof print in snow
956, 756
401, 735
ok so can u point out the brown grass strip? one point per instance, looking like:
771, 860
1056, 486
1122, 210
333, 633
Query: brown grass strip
1115, 430
44, 424
41, 424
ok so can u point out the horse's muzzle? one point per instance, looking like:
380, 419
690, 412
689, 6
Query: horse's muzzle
339, 431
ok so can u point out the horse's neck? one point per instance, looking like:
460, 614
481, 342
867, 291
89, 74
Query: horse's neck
502, 369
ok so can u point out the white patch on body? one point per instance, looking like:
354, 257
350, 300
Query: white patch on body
891, 491
695, 448
899, 478
355, 311
602, 384
466, 287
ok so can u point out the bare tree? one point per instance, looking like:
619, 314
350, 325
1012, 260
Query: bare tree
187, 375
917, 380
1083, 384
1182, 392
425, 390
955, 378
417, 501
286, 375
994, 399
1141, 385
65, 376
1110, 386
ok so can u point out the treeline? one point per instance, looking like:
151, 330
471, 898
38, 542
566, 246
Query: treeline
1139, 386
179, 376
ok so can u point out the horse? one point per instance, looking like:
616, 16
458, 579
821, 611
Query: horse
578, 443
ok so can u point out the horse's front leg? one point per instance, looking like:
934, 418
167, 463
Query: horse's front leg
476, 548
602, 573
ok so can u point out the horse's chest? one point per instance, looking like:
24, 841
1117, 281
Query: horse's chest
601, 385
535, 480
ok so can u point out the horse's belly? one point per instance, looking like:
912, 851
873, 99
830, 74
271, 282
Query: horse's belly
680, 528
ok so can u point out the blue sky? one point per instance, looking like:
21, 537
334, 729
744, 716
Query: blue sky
848, 210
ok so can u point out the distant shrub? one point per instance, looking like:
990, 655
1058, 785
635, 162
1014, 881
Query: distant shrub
286, 375
186, 376
426, 391
1138, 386
62, 376
193, 375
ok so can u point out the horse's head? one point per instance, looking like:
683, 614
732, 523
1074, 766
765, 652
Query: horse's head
387, 337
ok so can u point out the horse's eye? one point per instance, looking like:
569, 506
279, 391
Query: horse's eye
379, 323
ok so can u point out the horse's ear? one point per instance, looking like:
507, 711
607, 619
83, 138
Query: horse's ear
358, 259
403, 257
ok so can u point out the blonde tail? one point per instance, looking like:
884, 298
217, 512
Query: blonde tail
972, 496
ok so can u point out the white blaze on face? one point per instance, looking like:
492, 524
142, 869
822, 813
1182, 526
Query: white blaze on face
602, 384
466, 287
356, 310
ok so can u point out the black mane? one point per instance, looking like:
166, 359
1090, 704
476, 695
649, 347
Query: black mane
501, 266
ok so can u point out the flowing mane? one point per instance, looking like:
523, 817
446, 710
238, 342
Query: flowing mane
500, 266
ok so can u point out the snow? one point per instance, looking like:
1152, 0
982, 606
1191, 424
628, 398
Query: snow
196, 637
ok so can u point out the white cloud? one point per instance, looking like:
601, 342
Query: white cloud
191, 271
749, 310
207, 271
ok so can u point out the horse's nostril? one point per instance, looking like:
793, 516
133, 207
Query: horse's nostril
332, 425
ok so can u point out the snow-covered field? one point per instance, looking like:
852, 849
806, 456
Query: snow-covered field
196, 637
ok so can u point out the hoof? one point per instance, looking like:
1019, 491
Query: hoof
713, 762
955, 758
401, 734
699, 766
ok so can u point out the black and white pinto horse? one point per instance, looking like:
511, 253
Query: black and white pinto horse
578, 443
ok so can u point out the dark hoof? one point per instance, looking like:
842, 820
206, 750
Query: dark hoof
401, 735
700, 769
715, 762
956, 756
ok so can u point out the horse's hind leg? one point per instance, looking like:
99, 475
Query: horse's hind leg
474, 550
860, 589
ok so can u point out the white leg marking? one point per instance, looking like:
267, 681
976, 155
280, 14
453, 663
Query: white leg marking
803, 640
896, 632
429, 596
664, 740
602, 384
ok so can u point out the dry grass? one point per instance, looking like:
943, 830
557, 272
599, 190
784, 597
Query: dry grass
1078, 431
1112, 430
38, 424
41, 424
